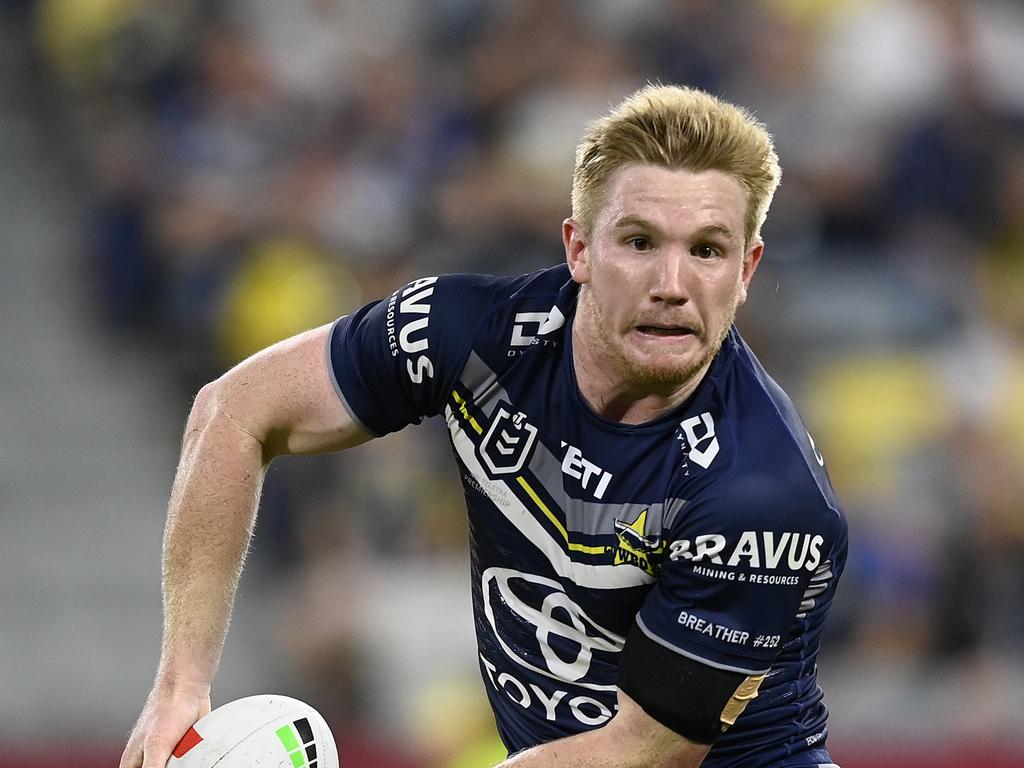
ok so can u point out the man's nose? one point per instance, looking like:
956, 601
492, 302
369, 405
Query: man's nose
670, 277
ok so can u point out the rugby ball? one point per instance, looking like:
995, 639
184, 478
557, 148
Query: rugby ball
267, 731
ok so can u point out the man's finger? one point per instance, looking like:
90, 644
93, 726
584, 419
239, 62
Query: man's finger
157, 751
155, 759
132, 755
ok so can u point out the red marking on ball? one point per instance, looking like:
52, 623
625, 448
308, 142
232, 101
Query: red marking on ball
189, 740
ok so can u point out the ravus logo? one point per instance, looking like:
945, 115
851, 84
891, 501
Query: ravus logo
508, 442
635, 547
754, 549
412, 337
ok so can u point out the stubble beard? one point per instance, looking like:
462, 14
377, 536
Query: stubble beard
637, 372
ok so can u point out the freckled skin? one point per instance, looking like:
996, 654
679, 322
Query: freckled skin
662, 274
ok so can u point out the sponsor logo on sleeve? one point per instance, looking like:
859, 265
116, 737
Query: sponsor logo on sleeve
407, 320
758, 557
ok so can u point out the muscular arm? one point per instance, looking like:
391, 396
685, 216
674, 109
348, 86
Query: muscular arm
632, 739
280, 401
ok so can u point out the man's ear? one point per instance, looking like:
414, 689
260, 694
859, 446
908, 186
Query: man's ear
577, 256
750, 261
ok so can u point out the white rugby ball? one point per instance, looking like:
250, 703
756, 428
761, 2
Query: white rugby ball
266, 731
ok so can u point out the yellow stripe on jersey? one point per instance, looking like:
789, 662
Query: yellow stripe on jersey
527, 522
573, 546
465, 414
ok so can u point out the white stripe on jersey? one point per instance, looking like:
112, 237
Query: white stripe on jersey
819, 583
585, 575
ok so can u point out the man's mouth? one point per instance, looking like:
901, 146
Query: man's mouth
665, 330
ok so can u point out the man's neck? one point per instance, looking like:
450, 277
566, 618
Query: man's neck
608, 391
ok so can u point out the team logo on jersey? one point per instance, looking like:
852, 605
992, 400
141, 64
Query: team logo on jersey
508, 442
635, 546
700, 448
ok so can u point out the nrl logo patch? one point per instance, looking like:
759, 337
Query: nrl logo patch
635, 547
508, 442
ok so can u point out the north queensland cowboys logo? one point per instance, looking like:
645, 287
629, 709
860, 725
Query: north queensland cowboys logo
507, 444
636, 547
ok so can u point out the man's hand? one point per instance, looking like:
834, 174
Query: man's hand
169, 712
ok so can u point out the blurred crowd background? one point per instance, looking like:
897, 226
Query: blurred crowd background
184, 182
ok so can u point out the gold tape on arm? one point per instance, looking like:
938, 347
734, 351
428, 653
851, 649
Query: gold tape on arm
745, 693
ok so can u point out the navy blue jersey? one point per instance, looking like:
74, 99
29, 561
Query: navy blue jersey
714, 527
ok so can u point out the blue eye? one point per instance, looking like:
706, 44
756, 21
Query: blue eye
639, 243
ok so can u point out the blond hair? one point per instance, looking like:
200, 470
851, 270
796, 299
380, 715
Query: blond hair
677, 128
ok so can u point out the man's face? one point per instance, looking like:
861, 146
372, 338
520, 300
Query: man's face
663, 272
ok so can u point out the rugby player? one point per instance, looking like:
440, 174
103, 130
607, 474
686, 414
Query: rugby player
655, 542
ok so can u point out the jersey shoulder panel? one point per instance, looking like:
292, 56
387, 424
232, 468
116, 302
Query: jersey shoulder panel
759, 524
771, 467
394, 360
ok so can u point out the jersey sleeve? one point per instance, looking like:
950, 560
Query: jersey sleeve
393, 361
737, 571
